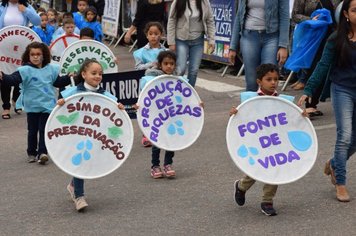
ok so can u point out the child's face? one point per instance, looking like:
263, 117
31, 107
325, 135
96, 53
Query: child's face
93, 74
90, 16
269, 82
44, 21
168, 65
154, 36
51, 16
36, 57
82, 6
68, 28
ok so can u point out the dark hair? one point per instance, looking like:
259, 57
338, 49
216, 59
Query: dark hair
93, 10
86, 32
54, 11
83, 1
153, 23
45, 51
84, 67
166, 54
68, 21
70, 14
343, 45
181, 5
41, 9
43, 14
263, 69
4, 3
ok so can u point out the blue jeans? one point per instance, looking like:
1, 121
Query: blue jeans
257, 47
36, 123
191, 50
343, 101
78, 185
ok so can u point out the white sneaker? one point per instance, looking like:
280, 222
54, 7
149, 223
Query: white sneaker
80, 203
42, 159
70, 189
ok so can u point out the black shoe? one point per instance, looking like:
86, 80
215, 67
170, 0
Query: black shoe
267, 209
239, 195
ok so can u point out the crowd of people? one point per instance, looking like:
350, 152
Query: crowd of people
260, 32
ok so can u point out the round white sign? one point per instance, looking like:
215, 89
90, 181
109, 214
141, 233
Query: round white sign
13, 41
76, 53
270, 140
89, 136
58, 46
169, 114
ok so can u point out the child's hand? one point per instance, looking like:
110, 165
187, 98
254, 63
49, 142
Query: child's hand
233, 111
135, 106
21, 7
121, 106
60, 102
201, 104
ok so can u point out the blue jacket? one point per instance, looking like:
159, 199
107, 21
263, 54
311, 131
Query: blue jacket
29, 14
96, 27
60, 32
38, 93
146, 56
81, 89
248, 95
78, 19
276, 17
45, 35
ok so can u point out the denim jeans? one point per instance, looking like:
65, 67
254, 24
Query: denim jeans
78, 185
191, 50
343, 101
168, 157
257, 47
36, 123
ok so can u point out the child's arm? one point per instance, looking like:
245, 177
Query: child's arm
233, 111
11, 80
62, 81
98, 32
140, 65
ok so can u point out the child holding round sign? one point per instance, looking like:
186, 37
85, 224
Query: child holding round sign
166, 65
267, 80
38, 79
146, 57
89, 77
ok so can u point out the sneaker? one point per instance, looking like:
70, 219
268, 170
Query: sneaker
70, 189
239, 194
267, 209
156, 172
168, 171
145, 142
42, 159
80, 203
31, 158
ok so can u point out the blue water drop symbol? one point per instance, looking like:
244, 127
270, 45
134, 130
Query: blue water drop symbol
89, 145
179, 123
180, 131
86, 155
242, 151
80, 145
77, 159
251, 161
253, 150
171, 129
178, 99
300, 140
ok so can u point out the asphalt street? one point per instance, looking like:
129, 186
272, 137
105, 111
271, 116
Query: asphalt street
199, 201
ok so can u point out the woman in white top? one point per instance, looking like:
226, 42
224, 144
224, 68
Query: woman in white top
15, 12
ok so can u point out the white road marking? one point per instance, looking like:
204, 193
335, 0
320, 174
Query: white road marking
218, 87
